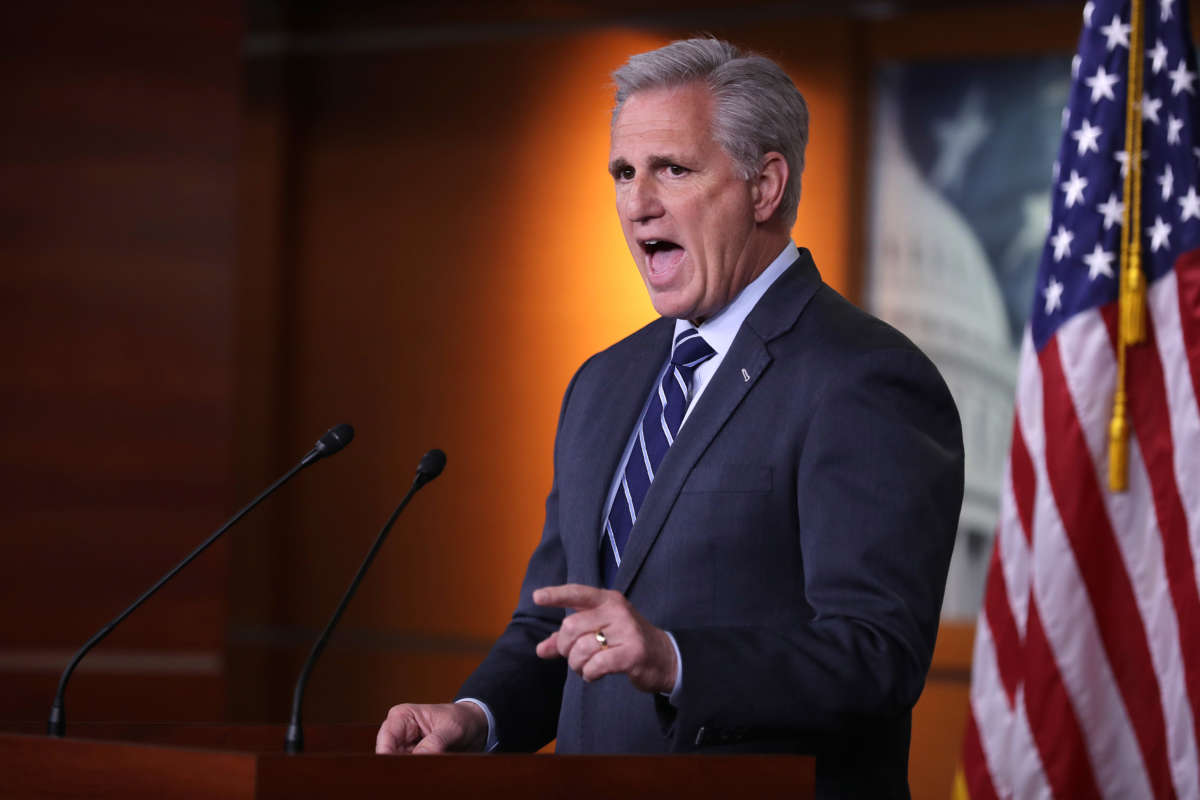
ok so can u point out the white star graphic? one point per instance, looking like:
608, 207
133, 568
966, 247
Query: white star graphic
1182, 79
1167, 182
1076, 60
1065, 117
1189, 205
1158, 57
1150, 107
1088, 8
1102, 84
1088, 135
1165, 9
1123, 159
1099, 262
1113, 211
1061, 241
1116, 34
1074, 187
1174, 126
1053, 294
1160, 235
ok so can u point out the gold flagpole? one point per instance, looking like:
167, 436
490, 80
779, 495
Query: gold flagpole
1132, 296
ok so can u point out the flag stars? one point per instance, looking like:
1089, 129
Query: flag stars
1150, 107
1076, 61
1061, 242
1165, 9
1160, 235
1189, 205
1122, 158
1167, 182
1182, 79
1113, 211
1116, 34
1099, 262
1102, 84
1088, 136
1053, 294
1074, 187
1174, 126
1089, 8
1158, 57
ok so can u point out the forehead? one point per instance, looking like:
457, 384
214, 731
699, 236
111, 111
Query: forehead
675, 117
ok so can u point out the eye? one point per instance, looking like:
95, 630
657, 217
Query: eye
676, 171
624, 173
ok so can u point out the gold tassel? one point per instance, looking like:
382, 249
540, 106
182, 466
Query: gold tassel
1133, 299
1118, 444
1132, 285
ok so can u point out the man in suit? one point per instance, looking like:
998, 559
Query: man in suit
755, 497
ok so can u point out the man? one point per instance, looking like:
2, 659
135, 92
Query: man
767, 480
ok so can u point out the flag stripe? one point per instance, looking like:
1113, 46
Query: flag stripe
1135, 526
1181, 400
1187, 278
1021, 467
1056, 729
1081, 508
1070, 622
1004, 628
1148, 409
979, 781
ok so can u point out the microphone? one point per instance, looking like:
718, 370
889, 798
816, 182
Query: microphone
432, 464
334, 440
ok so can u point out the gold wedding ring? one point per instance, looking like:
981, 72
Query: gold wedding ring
601, 639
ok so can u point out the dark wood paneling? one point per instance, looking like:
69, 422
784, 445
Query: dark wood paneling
116, 239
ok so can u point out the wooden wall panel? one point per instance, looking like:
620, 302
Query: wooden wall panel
116, 224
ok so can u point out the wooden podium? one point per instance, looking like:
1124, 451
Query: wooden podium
247, 761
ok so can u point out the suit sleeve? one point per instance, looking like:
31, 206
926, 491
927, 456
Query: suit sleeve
878, 486
524, 692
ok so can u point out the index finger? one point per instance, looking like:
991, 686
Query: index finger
569, 595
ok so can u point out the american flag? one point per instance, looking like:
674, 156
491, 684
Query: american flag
1086, 673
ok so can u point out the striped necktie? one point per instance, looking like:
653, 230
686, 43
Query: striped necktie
656, 431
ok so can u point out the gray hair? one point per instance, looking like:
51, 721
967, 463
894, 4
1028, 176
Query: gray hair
758, 108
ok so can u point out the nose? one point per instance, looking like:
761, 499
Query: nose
640, 199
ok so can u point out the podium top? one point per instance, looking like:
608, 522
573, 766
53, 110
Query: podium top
247, 761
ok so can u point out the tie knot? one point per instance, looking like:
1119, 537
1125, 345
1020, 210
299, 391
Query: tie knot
691, 350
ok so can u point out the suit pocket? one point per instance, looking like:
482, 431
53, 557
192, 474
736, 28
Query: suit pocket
729, 478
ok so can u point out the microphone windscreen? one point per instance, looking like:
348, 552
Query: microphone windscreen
335, 439
432, 464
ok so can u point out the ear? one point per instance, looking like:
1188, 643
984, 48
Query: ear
767, 186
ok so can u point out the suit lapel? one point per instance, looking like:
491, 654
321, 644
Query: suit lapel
611, 417
740, 370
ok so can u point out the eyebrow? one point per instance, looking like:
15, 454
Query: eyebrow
656, 161
616, 165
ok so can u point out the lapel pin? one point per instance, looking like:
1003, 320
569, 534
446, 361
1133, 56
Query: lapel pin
745, 375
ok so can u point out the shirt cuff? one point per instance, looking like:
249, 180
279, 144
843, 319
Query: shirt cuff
492, 742
673, 696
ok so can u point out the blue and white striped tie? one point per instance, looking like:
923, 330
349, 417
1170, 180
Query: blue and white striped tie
656, 432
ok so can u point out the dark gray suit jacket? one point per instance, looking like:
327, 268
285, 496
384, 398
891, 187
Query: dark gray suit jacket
795, 541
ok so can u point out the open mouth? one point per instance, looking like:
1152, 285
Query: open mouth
655, 246
662, 257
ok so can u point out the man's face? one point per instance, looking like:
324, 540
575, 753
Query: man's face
687, 216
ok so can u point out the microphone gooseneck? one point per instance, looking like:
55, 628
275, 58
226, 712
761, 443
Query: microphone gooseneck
334, 439
431, 465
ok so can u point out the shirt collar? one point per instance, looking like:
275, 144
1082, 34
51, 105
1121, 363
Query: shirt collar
719, 329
